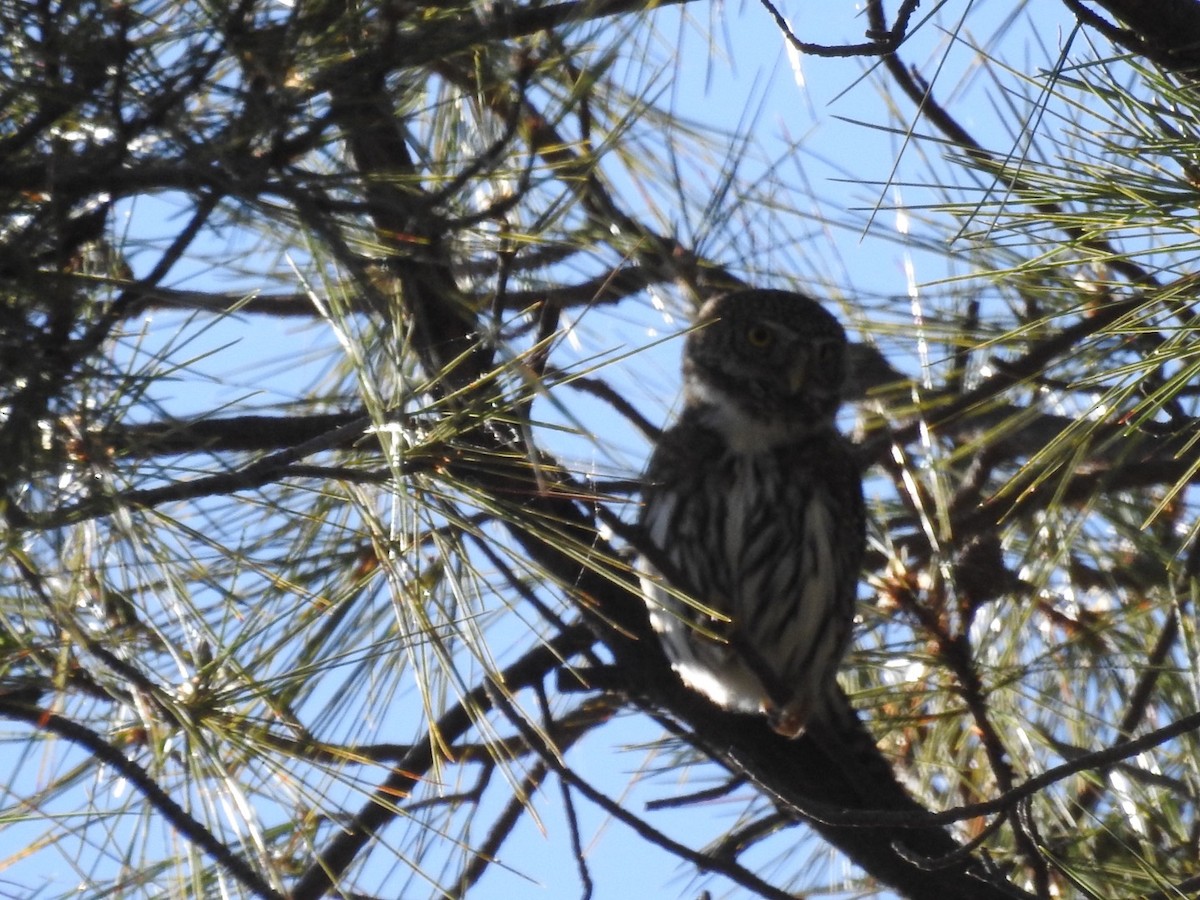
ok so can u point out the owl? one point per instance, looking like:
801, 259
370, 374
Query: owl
752, 519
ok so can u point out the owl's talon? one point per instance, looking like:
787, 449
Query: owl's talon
788, 722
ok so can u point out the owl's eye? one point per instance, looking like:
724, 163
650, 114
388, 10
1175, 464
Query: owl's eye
759, 336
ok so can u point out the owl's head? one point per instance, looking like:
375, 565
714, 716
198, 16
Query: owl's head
771, 361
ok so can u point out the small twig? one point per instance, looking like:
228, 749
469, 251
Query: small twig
501, 828
597, 387
714, 793
471, 796
739, 841
880, 40
585, 875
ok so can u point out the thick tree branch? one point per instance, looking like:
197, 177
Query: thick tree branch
1164, 31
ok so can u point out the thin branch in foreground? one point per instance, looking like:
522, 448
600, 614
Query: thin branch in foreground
729, 869
262, 471
585, 875
577, 723
142, 781
601, 389
380, 809
724, 789
501, 828
921, 94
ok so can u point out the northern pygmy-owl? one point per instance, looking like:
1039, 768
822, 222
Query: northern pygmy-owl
753, 511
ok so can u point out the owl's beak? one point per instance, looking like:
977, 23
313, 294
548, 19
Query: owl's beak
797, 374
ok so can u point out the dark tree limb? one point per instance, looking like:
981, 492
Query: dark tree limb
1164, 31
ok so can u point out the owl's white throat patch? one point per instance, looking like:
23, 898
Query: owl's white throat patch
743, 431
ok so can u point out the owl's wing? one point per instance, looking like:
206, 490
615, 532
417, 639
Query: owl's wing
662, 564
673, 494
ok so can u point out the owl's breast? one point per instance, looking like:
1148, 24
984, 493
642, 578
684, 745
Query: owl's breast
766, 501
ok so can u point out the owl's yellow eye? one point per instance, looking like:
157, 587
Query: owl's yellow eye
759, 336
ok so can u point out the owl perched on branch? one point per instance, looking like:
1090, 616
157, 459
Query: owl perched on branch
753, 511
